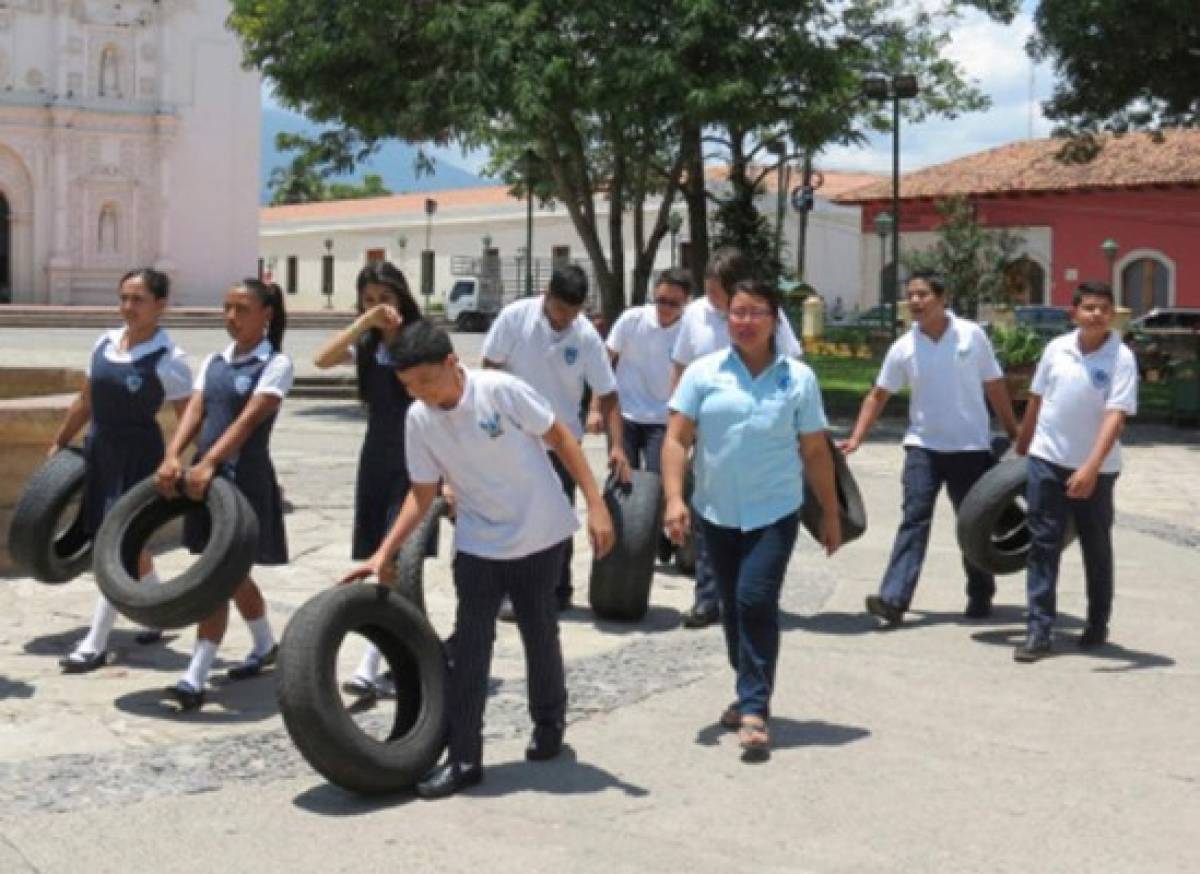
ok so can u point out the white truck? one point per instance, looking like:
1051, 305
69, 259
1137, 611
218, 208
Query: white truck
483, 286
473, 301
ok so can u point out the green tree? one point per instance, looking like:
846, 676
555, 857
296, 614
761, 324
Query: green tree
1120, 65
303, 180
371, 186
970, 257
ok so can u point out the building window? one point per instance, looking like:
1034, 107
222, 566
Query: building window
293, 268
560, 255
1145, 284
374, 256
1025, 282
327, 274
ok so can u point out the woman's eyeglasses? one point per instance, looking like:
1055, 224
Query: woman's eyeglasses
755, 314
668, 303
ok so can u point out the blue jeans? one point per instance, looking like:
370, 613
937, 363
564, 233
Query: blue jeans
643, 445
1049, 506
925, 471
749, 569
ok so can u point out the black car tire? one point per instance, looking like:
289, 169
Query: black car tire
619, 587
37, 542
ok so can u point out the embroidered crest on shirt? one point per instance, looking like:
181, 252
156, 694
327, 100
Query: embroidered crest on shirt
785, 380
133, 382
571, 354
1100, 378
491, 425
241, 383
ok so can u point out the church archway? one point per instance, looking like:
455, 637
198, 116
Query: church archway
5, 241
16, 228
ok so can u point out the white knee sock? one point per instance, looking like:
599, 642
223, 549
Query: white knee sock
368, 668
152, 579
203, 657
104, 617
260, 631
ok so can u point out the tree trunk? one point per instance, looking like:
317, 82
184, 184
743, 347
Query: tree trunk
692, 152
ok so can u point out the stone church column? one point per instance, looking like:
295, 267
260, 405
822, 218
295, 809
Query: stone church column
58, 269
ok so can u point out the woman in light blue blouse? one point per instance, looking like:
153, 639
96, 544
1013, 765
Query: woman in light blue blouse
756, 419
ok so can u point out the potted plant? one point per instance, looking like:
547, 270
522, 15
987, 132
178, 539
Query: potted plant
1018, 350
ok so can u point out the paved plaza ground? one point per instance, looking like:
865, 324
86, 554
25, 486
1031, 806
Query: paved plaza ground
923, 748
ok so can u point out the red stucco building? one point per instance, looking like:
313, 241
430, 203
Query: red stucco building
1141, 192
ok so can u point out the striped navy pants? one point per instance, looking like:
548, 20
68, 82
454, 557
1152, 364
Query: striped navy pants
481, 584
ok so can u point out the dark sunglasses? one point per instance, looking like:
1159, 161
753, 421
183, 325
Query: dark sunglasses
668, 303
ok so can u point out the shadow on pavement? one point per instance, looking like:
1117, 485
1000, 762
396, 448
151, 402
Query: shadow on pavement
326, 799
123, 649
244, 701
1130, 659
789, 734
347, 410
565, 775
14, 689
657, 619
844, 624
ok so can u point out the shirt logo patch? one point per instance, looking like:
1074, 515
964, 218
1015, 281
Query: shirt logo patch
491, 426
571, 354
133, 382
785, 380
964, 351
1100, 378
241, 383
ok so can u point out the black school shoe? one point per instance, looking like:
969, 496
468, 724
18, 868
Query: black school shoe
547, 741
253, 664
881, 609
149, 637
1035, 648
1093, 636
83, 663
978, 608
445, 780
701, 616
185, 696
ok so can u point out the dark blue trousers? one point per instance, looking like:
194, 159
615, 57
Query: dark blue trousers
562, 585
925, 471
1049, 506
749, 569
481, 584
643, 445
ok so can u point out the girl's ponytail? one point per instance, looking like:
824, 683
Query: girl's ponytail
269, 294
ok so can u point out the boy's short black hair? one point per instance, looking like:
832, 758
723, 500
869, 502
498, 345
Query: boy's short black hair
420, 342
729, 265
569, 284
678, 277
935, 282
1094, 287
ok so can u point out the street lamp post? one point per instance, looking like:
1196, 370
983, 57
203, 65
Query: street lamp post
883, 228
531, 160
1110, 248
327, 275
674, 223
895, 88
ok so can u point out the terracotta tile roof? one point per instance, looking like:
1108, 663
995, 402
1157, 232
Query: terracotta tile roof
1032, 165
333, 210
835, 184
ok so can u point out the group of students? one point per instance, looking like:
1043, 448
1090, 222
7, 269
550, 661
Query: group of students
715, 384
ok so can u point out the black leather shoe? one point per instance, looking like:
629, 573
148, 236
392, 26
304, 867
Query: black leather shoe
83, 663
564, 600
1093, 636
546, 742
1033, 649
253, 665
444, 780
149, 637
701, 617
881, 609
185, 696
978, 608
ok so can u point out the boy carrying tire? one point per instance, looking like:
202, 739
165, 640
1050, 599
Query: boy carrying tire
1084, 388
482, 432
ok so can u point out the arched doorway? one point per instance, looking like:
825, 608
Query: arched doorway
5, 249
1025, 282
1145, 283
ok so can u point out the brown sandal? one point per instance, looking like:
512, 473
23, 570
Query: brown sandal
754, 738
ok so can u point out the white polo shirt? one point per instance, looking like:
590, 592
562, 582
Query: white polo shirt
489, 449
1076, 391
947, 411
558, 364
172, 369
704, 329
644, 363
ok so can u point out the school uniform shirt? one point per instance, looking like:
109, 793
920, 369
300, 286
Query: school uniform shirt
557, 364
1077, 389
277, 376
489, 449
947, 411
172, 369
748, 469
704, 329
644, 365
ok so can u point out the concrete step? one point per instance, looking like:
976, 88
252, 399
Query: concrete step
182, 317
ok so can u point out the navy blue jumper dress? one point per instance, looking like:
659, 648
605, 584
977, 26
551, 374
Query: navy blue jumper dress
124, 444
382, 483
228, 387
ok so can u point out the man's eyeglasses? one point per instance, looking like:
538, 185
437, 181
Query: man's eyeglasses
668, 303
756, 314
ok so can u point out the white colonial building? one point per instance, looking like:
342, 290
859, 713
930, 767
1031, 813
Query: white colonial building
129, 136
315, 250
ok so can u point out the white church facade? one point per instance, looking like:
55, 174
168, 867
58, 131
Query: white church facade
129, 136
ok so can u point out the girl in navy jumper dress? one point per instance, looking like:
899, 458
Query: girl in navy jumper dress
385, 303
133, 370
233, 407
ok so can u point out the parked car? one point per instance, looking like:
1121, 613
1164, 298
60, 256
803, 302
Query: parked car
1166, 320
1162, 336
1045, 321
876, 316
